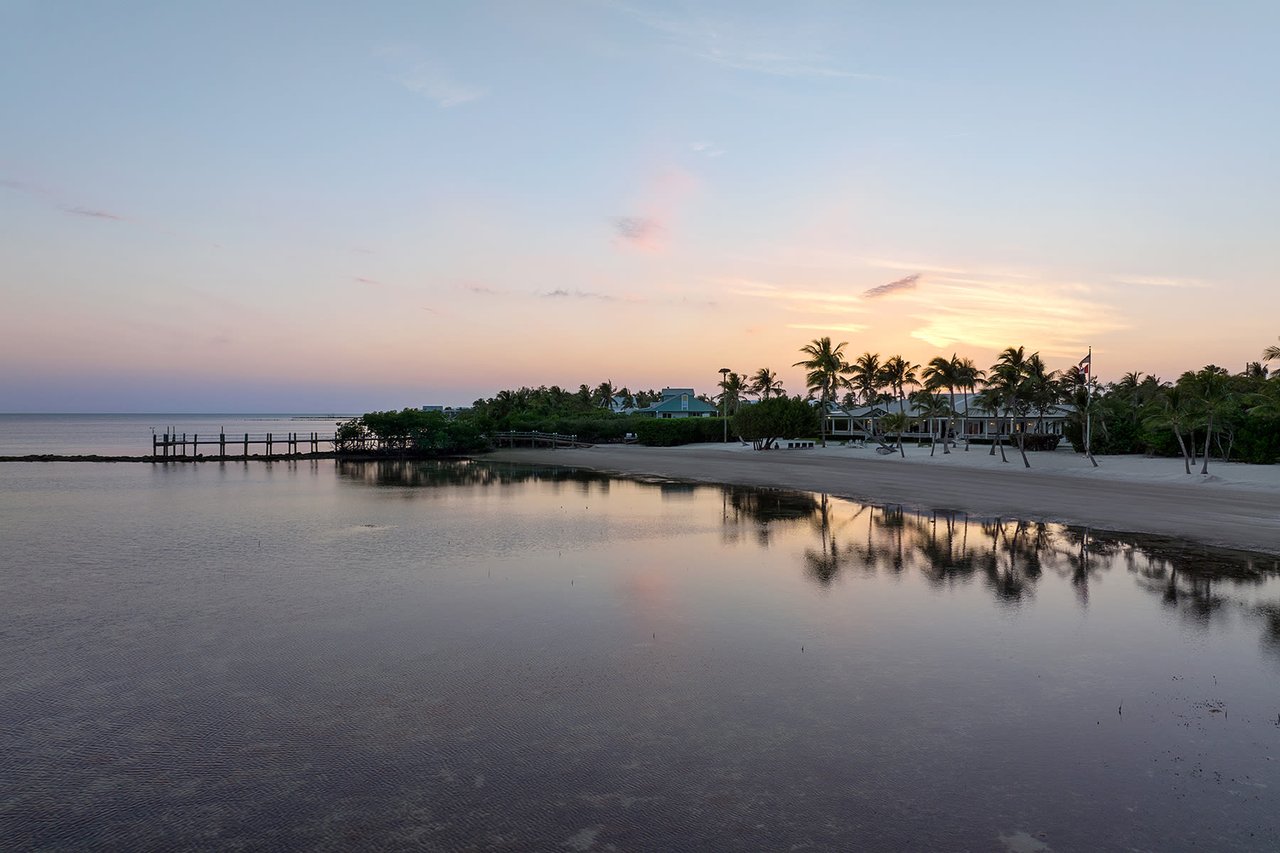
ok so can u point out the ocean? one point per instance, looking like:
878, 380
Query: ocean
464, 655
130, 434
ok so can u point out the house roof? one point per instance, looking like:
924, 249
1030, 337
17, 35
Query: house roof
967, 406
675, 404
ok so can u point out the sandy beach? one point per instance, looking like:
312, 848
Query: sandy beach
1234, 505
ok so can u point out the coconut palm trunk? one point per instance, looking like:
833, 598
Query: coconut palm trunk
1022, 443
948, 425
1208, 434
1182, 445
822, 421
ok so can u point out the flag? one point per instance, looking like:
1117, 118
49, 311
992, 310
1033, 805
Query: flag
1086, 363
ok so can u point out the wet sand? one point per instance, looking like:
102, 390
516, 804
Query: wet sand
1234, 506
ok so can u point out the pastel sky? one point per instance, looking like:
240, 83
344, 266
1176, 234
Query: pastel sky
306, 206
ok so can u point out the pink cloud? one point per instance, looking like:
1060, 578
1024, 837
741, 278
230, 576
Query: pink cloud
643, 232
658, 205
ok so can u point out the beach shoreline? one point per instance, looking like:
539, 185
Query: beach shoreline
1234, 506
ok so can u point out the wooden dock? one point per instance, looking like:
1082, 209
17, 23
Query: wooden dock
179, 446
537, 439
185, 447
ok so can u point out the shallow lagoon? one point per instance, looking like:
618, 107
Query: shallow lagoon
455, 655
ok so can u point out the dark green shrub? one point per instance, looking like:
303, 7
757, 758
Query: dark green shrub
1037, 441
669, 432
779, 417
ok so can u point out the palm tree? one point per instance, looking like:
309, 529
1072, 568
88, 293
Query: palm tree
968, 375
896, 424
1075, 389
827, 373
1136, 393
930, 406
1042, 388
732, 387
1256, 370
1271, 353
1128, 384
1265, 403
1174, 413
898, 373
865, 376
1211, 389
992, 399
1009, 374
604, 394
765, 383
944, 373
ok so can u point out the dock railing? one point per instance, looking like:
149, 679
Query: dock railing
553, 440
177, 445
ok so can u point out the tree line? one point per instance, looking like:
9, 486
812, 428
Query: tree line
1204, 413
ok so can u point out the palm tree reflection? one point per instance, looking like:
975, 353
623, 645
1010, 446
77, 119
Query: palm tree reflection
1009, 556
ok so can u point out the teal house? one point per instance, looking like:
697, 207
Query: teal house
679, 403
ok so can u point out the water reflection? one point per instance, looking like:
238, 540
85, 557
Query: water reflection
1008, 557
471, 656
463, 472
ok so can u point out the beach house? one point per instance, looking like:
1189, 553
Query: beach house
971, 421
679, 403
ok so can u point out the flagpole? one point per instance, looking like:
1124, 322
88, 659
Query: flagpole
1088, 410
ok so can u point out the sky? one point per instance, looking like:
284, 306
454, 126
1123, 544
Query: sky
310, 206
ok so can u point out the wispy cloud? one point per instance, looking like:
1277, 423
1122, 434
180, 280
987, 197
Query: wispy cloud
829, 327
640, 231
797, 299
561, 293
53, 197
905, 283
20, 186
779, 64
981, 311
889, 264
557, 293
655, 209
362, 280
428, 79
706, 149
742, 45
439, 88
1060, 319
916, 266
94, 214
1159, 281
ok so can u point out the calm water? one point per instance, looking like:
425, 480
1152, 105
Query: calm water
130, 435
458, 655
